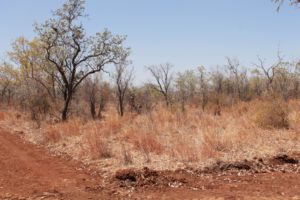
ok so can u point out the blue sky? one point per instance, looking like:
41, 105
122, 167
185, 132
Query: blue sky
186, 33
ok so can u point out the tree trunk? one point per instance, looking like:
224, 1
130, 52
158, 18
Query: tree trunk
53, 86
121, 106
8, 97
93, 109
65, 111
167, 100
182, 105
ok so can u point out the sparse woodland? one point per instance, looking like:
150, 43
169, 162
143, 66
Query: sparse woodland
54, 88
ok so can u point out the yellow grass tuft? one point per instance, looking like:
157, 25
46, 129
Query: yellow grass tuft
272, 115
98, 146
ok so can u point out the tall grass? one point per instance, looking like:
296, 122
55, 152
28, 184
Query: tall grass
272, 114
165, 135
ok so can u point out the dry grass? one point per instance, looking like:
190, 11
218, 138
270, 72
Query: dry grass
52, 135
145, 142
71, 128
185, 151
98, 146
166, 139
272, 115
2, 116
57, 132
127, 156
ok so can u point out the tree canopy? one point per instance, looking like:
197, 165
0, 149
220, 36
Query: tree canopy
73, 54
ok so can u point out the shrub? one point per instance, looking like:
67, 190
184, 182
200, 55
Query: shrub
272, 115
39, 108
98, 147
149, 143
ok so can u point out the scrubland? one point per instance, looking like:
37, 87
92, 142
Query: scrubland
166, 138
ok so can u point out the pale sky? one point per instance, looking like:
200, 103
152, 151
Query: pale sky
186, 33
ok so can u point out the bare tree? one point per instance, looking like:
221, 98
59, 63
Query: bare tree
186, 86
104, 97
203, 86
233, 66
283, 82
280, 2
239, 76
256, 83
269, 72
91, 87
217, 79
163, 77
122, 78
74, 55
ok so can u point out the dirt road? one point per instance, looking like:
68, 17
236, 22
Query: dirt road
30, 172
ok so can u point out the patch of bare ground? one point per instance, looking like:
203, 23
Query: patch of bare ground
275, 177
30, 172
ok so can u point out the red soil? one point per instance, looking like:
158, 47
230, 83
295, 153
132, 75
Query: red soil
31, 172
